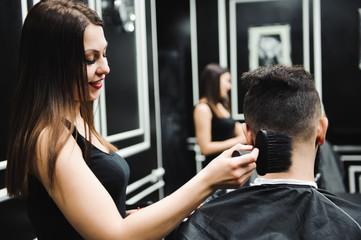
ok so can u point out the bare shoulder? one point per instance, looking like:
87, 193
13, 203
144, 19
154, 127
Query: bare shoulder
202, 115
202, 108
47, 139
47, 142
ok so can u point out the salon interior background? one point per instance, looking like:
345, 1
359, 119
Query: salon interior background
157, 49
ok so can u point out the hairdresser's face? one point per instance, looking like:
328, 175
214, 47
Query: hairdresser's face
225, 84
95, 47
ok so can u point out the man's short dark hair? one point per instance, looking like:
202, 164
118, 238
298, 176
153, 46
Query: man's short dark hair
281, 98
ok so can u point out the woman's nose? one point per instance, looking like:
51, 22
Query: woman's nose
104, 67
229, 87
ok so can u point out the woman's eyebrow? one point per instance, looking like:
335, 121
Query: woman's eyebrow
91, 50
96, 50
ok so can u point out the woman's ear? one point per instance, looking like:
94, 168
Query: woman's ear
247, 133
321, 130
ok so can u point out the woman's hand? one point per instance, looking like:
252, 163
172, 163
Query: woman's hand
227, 172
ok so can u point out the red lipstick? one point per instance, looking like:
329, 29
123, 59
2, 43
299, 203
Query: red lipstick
97, 84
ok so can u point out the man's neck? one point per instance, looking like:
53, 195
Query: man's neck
302, 166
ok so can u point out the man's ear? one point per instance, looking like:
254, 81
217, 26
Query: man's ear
247, 133
321, 130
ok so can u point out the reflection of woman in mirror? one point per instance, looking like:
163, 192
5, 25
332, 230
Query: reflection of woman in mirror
215, 129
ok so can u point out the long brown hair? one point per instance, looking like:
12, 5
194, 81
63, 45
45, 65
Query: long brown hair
51, 67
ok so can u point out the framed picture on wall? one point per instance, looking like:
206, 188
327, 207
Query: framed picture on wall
269, 45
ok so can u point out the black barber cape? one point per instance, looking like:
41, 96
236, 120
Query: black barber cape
282, 211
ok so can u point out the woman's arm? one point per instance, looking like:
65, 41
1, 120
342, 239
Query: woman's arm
91, 211
203, 131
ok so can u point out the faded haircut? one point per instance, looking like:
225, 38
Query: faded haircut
283, 99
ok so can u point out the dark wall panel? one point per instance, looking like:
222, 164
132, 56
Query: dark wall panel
207, 32
14, 222
175, 83
10, 27
341, 75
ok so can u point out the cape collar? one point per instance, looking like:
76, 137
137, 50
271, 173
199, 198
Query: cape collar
261, 181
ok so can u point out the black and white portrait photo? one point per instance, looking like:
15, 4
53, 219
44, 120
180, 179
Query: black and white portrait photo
269, 45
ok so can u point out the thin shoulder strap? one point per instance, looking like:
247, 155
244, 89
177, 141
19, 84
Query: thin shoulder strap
213, 113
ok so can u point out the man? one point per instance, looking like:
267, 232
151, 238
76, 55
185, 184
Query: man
287, 204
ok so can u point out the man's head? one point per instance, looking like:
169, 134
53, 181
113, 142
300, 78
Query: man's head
284, 99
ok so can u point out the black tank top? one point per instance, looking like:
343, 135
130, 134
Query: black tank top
49, 222
221, 129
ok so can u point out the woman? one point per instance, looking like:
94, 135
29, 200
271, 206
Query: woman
73, 181
215, 129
